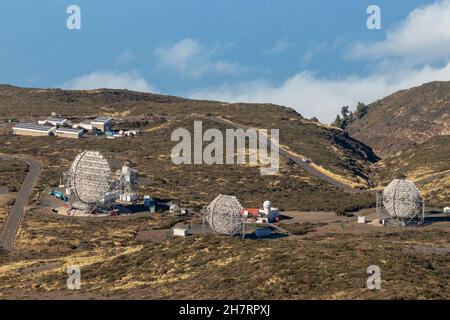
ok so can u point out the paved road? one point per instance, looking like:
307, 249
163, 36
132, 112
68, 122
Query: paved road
293, 158
14, 218
433, 177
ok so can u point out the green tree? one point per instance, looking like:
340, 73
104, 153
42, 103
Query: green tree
345, 112
347, 116
361, 110
344, 119
337, 122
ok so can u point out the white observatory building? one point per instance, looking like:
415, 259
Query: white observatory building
270, 212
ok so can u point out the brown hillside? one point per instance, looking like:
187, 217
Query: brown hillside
405, 118
327, 147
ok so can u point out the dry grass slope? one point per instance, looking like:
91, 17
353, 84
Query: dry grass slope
12, 173
427, 164
114, 264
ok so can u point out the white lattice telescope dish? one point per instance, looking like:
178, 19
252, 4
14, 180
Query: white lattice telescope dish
402, 202
90, 178
224, 216
402, 199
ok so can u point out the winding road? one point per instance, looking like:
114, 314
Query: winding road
296, 159
292, 157
13, 220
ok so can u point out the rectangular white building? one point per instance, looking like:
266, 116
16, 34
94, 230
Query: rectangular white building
102, 123
180, 232
69, 133
128, 197
32, 129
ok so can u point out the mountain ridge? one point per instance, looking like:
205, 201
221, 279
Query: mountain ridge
405, 118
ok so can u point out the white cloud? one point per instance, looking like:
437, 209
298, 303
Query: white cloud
415, 52
180, 54
424, 36
110, 80
190, 58
322, 97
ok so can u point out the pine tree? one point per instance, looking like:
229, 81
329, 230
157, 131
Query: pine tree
337, 122
361, 110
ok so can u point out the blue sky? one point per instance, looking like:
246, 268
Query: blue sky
314, 56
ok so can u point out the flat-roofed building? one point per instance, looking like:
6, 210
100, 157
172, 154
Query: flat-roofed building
69, 133
102, 123
32, 129
54, 121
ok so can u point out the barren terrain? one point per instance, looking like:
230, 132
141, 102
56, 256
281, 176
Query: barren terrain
116, 262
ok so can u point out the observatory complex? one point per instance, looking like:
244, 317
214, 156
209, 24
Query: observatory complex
225, 216
92, 187
268, 214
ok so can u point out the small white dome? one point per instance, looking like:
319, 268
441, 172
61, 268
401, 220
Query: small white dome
267, 204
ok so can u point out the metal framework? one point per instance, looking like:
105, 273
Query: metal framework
126, 180
400, 204
223, 215
93, 187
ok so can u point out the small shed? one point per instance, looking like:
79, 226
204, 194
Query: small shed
180, 231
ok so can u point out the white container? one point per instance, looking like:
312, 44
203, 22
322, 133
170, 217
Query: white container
361, 219
180, 232
128, 197
447, 210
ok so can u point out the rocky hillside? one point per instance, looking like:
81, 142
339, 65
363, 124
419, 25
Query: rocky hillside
329, 148
405, 118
